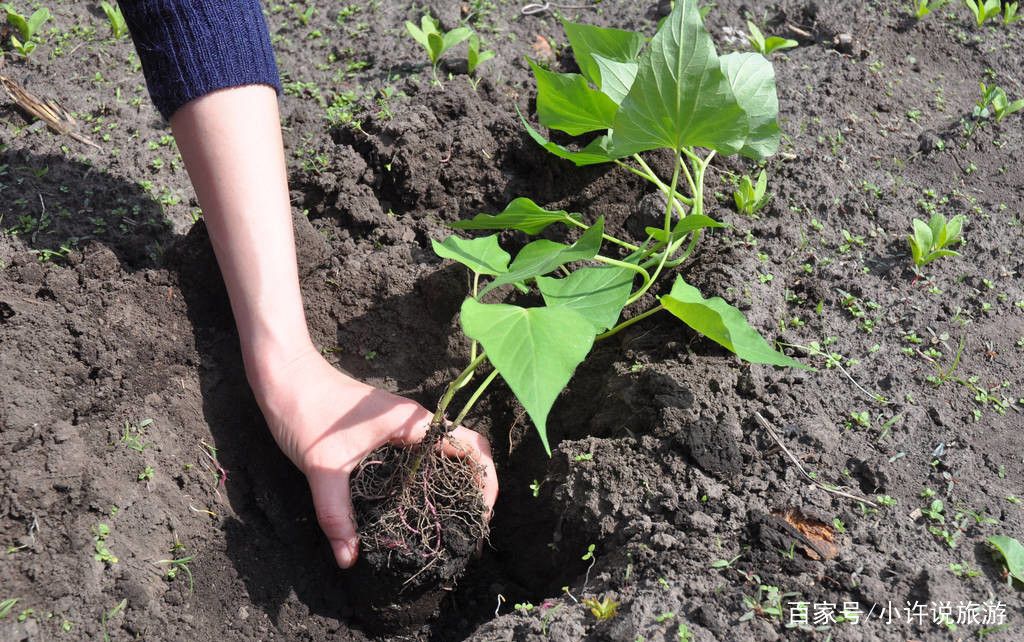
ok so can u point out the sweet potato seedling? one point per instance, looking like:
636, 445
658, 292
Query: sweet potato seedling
670, 93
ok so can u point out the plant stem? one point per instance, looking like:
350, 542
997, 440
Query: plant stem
651, 176
668, 233
456, 383
476, 395
626, 324
628, 266
611, 239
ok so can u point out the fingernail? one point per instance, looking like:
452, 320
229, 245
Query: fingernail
345, 552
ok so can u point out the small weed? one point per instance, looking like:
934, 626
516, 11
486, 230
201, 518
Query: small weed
100, 533
750, 197
118, 26
435, 41
769, 45
929, 240
27, 27
603, 609
132, 438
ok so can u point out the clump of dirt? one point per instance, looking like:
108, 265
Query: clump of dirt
422, 518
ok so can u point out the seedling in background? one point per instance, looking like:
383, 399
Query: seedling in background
435, 41
929, 241
750, 197
303, 14
768, 45
27, 27
7, 605
1010, 13
673, 92
923, 7
474, 56
982, 10
1001, 106
118, 27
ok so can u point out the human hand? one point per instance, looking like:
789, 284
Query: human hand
326, 422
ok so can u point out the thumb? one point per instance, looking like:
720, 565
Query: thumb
333, 504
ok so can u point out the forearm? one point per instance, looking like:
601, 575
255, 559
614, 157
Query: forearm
230, 141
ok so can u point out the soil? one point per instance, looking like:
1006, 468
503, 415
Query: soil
123, 401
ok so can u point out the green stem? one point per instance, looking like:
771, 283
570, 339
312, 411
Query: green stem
453, 387
626, 324
668, 234
628, 266
611, 239
651, 176
476, 395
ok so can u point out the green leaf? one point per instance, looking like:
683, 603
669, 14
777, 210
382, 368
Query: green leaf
435, 47
419, 35
774, 43
475, 57
722, 323
38, 18
19, 23
521, 214
936, 254
680, 97
691, 223
937, 226
543, 256
611, 44
752, 79
597, 151
598, 293
454, 37
483, 255
616, 77
1013, 553
923, 235
536, 350
566, 103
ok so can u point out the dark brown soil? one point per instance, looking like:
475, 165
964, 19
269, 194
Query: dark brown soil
111, 313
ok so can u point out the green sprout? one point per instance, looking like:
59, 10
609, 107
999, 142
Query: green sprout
1010, 14
27, 27
604, 609
750, 197
100, 533
769, 45
180, 564
118, 26
929, 241
474, 56
982, 10
923, 7
437, 42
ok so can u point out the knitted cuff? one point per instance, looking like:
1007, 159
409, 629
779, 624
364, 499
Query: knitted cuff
189, 48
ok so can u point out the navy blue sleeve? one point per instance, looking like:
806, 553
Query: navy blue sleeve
189, 48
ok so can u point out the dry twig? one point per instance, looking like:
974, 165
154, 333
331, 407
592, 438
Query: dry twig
796, 462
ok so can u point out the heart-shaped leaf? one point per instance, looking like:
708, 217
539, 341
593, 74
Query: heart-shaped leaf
536, 350
543, 256
482, 255
680, 97
723, 324
566, 103
612, 44
521, 214
597, 292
